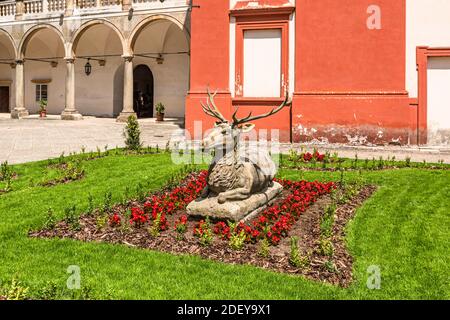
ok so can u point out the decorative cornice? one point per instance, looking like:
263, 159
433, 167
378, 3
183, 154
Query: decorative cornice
262, 11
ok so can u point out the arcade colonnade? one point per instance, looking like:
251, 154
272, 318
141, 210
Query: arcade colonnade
160, 41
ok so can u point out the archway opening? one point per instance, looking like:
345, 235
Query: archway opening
99, 93
143, 91
44, 70
163, 47
7, 56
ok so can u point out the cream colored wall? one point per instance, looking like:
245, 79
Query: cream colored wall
427, 24
438, 106
56, 95
171, 79
101, 93
45, 44
7, 74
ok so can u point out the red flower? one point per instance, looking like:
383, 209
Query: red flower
138, 217
115, 220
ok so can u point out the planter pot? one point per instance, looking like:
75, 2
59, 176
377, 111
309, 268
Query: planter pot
160, 117
42, 114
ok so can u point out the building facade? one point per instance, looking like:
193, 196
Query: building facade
358, 71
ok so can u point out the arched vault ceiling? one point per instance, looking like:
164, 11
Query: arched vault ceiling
159, 37
6, 52
98, 40
44, 43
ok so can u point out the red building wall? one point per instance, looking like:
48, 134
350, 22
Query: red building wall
349, 80
209, 60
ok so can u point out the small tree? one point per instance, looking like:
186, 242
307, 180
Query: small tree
132, 134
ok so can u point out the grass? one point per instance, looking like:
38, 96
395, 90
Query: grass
403, 229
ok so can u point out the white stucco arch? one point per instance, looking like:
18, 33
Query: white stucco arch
148, 21
31, 32
11, 41
72, 46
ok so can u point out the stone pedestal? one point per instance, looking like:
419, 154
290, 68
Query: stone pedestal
240, 210
123, 117
19, 114
71, 115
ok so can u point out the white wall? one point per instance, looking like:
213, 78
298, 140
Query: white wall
45, 44
101, 93
171, 79
438, 106
262, 63
427, 24
7, 74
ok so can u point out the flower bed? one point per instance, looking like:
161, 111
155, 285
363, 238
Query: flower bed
160, 222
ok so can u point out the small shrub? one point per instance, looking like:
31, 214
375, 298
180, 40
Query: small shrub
74, 170
203, 232
71, 218
101, 221
326, 224
295, 259
264, 248
155, 228
14, 291
48, 292
237, 239
107, 202
5, 171
408, 161
330, 266
50, 220
326, 247
132, 134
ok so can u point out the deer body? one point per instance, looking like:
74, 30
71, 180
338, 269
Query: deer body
236, 171
236, 177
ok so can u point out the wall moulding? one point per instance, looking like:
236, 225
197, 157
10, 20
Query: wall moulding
422, 54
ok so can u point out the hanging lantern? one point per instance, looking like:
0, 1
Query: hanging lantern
87, 68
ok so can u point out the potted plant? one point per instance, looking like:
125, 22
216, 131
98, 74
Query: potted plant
42, 108
160, 111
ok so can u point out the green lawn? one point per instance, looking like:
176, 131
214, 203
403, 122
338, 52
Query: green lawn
403, 229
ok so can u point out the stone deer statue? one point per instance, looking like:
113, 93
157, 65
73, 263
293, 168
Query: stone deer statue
236, 172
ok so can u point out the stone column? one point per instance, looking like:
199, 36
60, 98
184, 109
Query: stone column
20, 9
69, 7
127, 90
19, 111
70, 112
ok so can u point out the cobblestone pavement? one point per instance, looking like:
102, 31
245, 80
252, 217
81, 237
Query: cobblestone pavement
34, 139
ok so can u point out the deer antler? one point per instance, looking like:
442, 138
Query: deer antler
212, 111
248, 118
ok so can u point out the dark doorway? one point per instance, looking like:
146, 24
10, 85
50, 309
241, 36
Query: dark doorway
143, 91
4, 99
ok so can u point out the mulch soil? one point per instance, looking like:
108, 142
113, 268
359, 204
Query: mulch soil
307, 229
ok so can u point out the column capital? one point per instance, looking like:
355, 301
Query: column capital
127, 57
19, 61
69, 59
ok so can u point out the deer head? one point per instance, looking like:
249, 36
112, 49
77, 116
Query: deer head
226, 133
